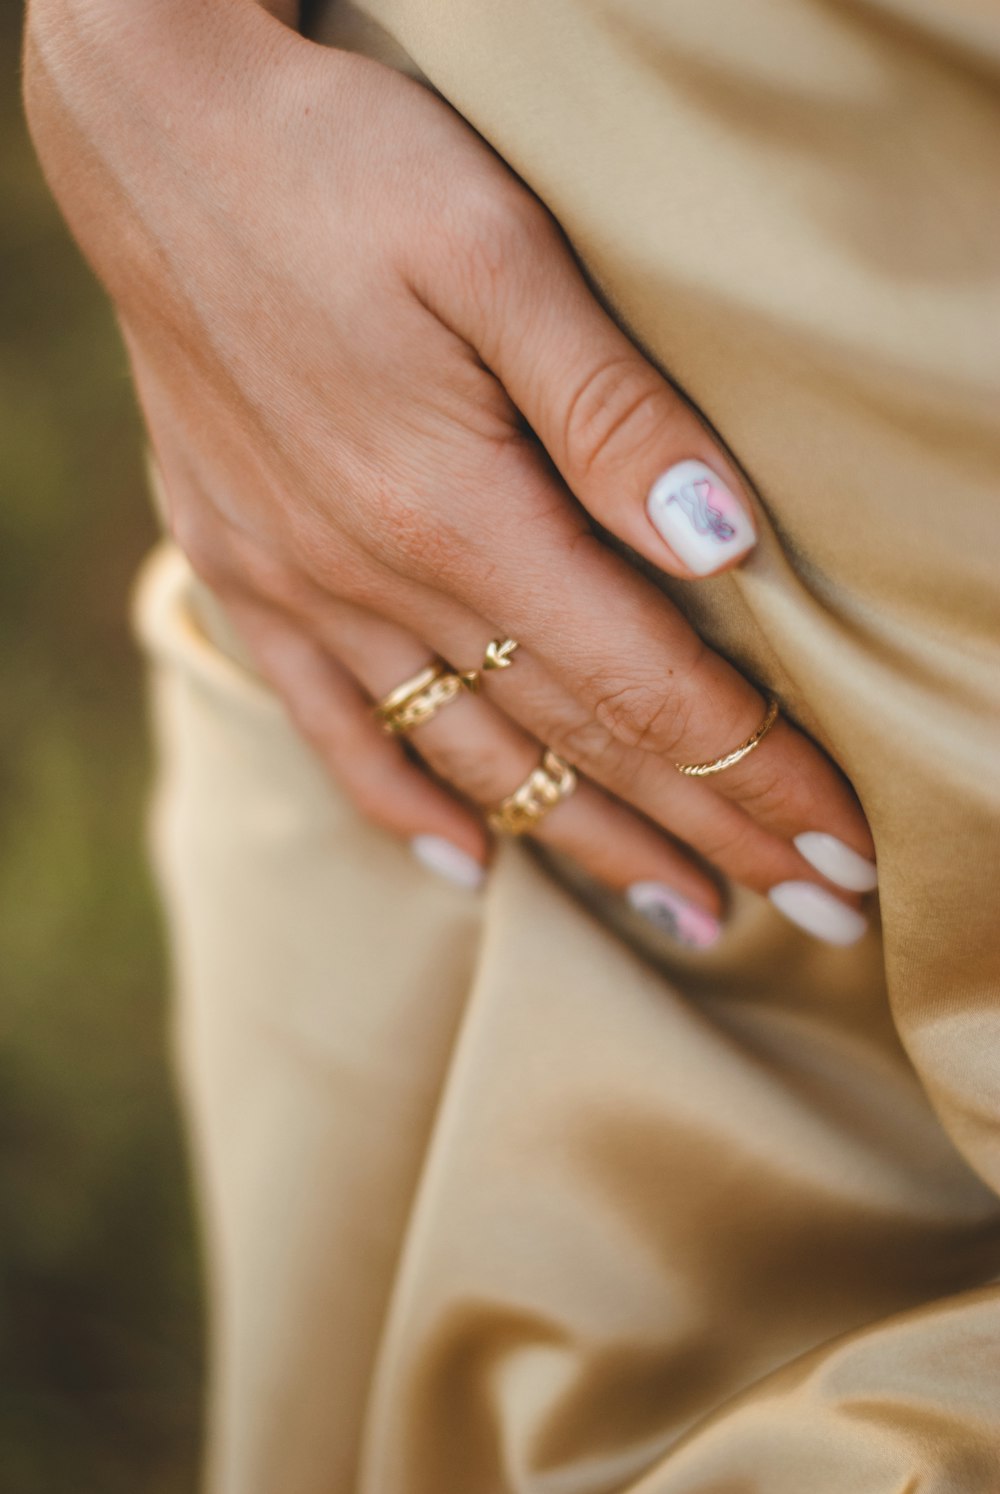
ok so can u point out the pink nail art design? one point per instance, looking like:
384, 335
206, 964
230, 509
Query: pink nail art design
707, 517
683, 921
704, 523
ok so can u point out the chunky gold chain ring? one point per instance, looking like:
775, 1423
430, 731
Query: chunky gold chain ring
540, 792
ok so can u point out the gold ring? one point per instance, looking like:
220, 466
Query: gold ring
499, 655
702, 770
417, 699
541, 791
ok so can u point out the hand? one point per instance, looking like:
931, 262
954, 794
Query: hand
341, 308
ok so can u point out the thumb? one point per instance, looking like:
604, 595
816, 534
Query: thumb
628, 445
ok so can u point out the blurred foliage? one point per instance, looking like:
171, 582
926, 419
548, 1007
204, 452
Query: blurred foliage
99, 1315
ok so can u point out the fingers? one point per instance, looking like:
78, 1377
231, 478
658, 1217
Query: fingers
473, 746
630, 448
813, 879
782, 819
787, 814
632, 671
723, 832
485, 756
334, 717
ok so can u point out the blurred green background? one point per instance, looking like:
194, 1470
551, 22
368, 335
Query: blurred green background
100, 1364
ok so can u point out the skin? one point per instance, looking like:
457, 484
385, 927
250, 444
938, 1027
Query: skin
344, 313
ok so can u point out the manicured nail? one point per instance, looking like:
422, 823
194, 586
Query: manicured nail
836, 861
683, 921
439, 855
704, 524
818, 912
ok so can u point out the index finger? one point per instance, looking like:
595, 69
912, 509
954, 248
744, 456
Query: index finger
629, 446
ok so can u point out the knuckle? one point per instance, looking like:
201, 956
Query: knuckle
210, 562
271, 577
735, 848
187, 529
587, 744
337, 570
769, 792
206, 545
764, 787
613, 416
499, 222
418, 541
334, 549
639, 714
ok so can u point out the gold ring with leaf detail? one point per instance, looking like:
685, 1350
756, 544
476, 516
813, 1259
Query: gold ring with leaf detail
499, 655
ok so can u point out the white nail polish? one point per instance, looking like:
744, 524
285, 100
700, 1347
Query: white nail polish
819, 912
704, 523
683, 921
836, 861
439, 855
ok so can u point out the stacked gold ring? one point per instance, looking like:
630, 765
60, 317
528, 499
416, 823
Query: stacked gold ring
544, 787
417, 699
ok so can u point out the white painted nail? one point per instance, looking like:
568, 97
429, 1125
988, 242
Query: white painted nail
836, 861
818, 912
683, 921
704, 523
439, 855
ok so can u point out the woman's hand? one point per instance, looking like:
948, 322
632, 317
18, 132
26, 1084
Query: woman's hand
342, 310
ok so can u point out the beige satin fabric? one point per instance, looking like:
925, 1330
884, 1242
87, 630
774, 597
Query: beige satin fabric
504, 1194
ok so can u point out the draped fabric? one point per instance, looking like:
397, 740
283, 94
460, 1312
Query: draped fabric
505, 1194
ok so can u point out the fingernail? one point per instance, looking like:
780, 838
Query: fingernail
836, 861
704, 523
439, 855
818, 912
683, 921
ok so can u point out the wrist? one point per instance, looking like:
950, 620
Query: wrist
114, 74
158, 45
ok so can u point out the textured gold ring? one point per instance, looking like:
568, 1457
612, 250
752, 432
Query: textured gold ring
702, 770
540, 792
499, 655
417, 699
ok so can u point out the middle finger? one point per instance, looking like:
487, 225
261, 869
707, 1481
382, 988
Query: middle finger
468, 741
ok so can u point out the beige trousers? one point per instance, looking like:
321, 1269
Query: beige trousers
504, 1194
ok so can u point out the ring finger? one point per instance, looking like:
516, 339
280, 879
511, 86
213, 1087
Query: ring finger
719, 829
471, 745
